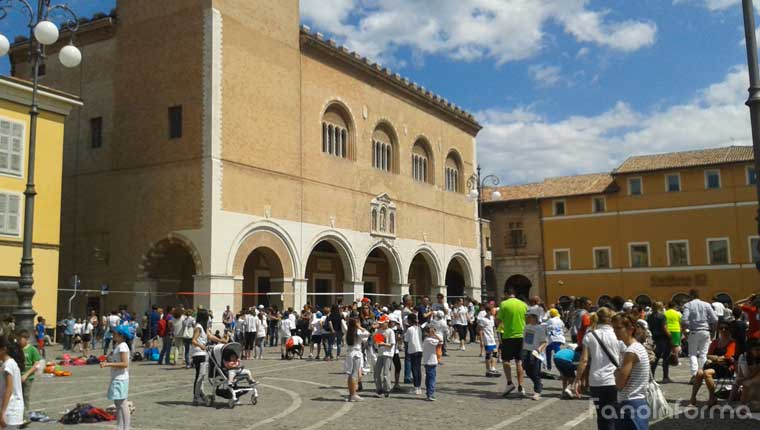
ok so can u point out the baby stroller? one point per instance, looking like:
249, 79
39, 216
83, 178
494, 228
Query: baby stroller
219, 375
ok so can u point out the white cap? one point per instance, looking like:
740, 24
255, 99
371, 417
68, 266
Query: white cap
627, 306
261, 306
385, 309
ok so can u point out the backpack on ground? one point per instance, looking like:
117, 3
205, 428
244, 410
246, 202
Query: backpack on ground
137, 357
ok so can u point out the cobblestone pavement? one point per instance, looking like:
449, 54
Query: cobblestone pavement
306, 394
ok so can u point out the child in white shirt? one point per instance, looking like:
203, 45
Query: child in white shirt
430, 360
385, 347
488, 337
534, 344
413, 339
285, 333
441, 327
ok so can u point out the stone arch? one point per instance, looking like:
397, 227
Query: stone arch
394, 259
263, 235
458, 276
340, 109
342, 245
418, 287
158, 248
461, 257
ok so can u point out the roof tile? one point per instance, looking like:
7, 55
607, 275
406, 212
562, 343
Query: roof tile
696, 158
595, 183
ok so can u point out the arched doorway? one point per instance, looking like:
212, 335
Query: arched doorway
423, 275
326, 274
169, 270
491, 292
521, 285
455, 279
377, 276
262, 279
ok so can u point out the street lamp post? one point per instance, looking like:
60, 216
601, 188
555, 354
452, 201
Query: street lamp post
754, 93
42, 32
475, 184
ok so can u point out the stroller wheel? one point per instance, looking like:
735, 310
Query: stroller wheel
231, 403
210, 400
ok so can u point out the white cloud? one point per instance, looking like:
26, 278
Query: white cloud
545, 76
522, 146
468, 30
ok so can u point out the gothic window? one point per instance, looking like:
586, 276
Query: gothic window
382, 219
392, 223
453, 172
374, 219
335, 132
421, 159
384, 148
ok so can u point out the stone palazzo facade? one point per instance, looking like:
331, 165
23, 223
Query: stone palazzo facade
226, 155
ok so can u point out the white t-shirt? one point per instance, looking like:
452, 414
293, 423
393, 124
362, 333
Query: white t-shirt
361, 337
285, 327
556, 329
119, 374
14, 414
292, 318
429, 357
177, 326
481, 315
440, 326
250, 323
533, 336
487, 325
87, 328
297, 340
261, 327
459, 316
77, 328
202, 339
602, 372
188, 324
719, 308
390, 338
413, 339
113, 320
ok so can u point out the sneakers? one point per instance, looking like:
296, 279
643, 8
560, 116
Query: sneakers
508, 391
666, 381
418, 391
521, 390
536, 396
569, 393
463, 348
354, 398
430, 399
492, 374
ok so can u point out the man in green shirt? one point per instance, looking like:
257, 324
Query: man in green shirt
511, 316
31, 357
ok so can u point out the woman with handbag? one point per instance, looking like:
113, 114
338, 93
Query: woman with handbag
632, 377
599, 358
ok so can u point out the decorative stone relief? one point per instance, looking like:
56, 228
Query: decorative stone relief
383, 216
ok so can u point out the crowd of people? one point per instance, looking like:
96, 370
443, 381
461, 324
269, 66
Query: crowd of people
610, 352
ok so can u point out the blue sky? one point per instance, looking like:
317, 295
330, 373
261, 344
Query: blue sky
561, 86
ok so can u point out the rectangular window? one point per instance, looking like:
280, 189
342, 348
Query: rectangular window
96, 132
673, 183
639, 254
561, 259
754, 253
678, 253
751, 175
712, 179
601, 258
11, 147
600, 204
635, 187
717, 251
559, 207
10, 206
175, 122
516, 238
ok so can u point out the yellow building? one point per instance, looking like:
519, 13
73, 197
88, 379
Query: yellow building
15, 99
654, 228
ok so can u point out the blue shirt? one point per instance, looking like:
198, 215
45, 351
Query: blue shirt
70, 327
154, 317
566, 354
40, 331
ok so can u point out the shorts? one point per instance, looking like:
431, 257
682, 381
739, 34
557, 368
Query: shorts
250, 337
490, 348
353, 364
316, 339
462, 330
86, 338
566, 368
721, 371
41, 343
675, 337
511, 349
119, 389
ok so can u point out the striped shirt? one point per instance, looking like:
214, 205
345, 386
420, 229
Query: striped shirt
636, 387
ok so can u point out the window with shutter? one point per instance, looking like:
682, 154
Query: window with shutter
10, 205
11, 148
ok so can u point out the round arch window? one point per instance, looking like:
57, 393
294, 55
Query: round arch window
680, 299
725, 299
603, 300
564, 302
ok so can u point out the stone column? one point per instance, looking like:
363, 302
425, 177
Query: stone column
217, 292
398, 291
473, 292
145, 290
237, 299
354, 291
299, 293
